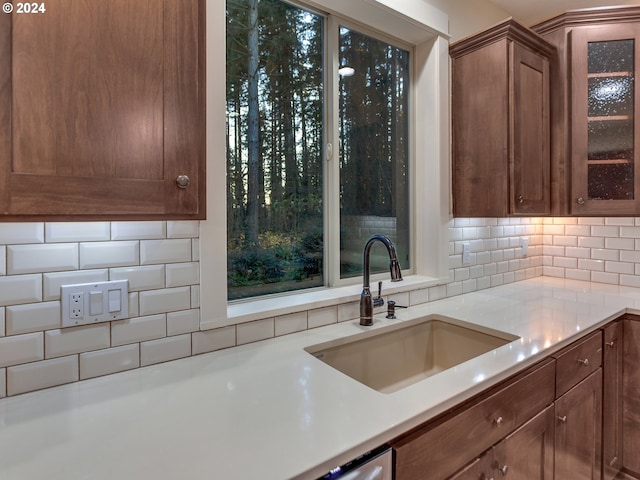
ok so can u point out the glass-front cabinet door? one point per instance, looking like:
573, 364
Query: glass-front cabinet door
604, 135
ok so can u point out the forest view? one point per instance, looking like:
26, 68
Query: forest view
275, 84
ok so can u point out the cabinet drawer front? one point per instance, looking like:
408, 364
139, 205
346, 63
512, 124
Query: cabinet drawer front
577, 362
439, 451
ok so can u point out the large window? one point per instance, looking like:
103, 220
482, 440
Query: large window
288, 226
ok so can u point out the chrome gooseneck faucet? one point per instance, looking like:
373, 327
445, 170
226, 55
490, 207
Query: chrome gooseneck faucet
366, 302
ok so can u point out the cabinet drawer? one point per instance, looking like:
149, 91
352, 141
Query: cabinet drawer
441, 448
577, 362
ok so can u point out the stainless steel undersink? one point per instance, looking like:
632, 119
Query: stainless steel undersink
391, 358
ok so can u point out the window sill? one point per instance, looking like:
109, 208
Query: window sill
251, 310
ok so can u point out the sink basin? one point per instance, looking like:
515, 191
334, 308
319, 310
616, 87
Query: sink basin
390, 358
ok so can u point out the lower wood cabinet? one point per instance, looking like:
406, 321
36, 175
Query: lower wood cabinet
579, 430
573, 416
631, 395
612, 370
525, 454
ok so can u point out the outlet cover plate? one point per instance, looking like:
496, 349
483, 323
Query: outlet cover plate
88, 303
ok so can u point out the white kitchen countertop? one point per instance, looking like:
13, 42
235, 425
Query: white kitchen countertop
269, 410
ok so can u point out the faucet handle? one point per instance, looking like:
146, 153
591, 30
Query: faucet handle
378, 301
380, 288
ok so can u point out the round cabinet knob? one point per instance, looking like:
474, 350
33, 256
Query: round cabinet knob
503, 470
183, 181
520, 199
584, 361
580, 201
498, 421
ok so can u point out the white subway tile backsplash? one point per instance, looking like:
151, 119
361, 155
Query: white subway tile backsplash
348, 311
619, 243
138, 230
62, 342
604, 254
15, 233
3, 260
632, 256
38, 375
591, 221
630, 232
165, 300
165, 349
195, 249
19, 289
53, 281
195, 296
138, 329
2, 321
584, 275
180, 274
52, 257
149, 277
602, 231
165, 251
21, 349
605, 277
293, 322
591, 242
212, 340
185, 321
626, 221
630, 280
32, 317
109, 360
109, 254
57, 232
183, 229
619, 267
590, 264
319, 317
254, 331
3, 382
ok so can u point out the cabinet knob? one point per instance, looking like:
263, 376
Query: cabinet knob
503, 469
563, 419
610, 344
498, 421
520, 199
183, 181
583, 361
580, 201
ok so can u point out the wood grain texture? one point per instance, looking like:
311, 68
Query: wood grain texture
612, 370
500, 123
528, 453
580, 39
631, 395
105, 115
439, 450
570, 362
530, 161
578, 444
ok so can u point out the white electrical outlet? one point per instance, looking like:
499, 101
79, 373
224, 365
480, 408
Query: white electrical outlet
76, 306
88, 303
466, 253
524, 246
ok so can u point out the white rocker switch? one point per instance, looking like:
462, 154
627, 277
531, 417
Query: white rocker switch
114, 301
95, 303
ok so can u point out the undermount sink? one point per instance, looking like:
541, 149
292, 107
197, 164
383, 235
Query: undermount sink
391, 358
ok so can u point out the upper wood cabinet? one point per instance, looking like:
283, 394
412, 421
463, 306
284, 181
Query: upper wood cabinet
595, 150
102, 111
500, 114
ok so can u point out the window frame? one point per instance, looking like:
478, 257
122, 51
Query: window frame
429, 160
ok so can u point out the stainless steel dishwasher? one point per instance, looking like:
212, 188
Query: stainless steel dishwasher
374, 465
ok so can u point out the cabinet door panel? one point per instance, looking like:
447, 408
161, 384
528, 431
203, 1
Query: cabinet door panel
106, 109
527, 453
612, 401
530, 155
631, 396
604, 102
579, 430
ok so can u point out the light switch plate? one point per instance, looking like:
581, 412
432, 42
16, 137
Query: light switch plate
87, 303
